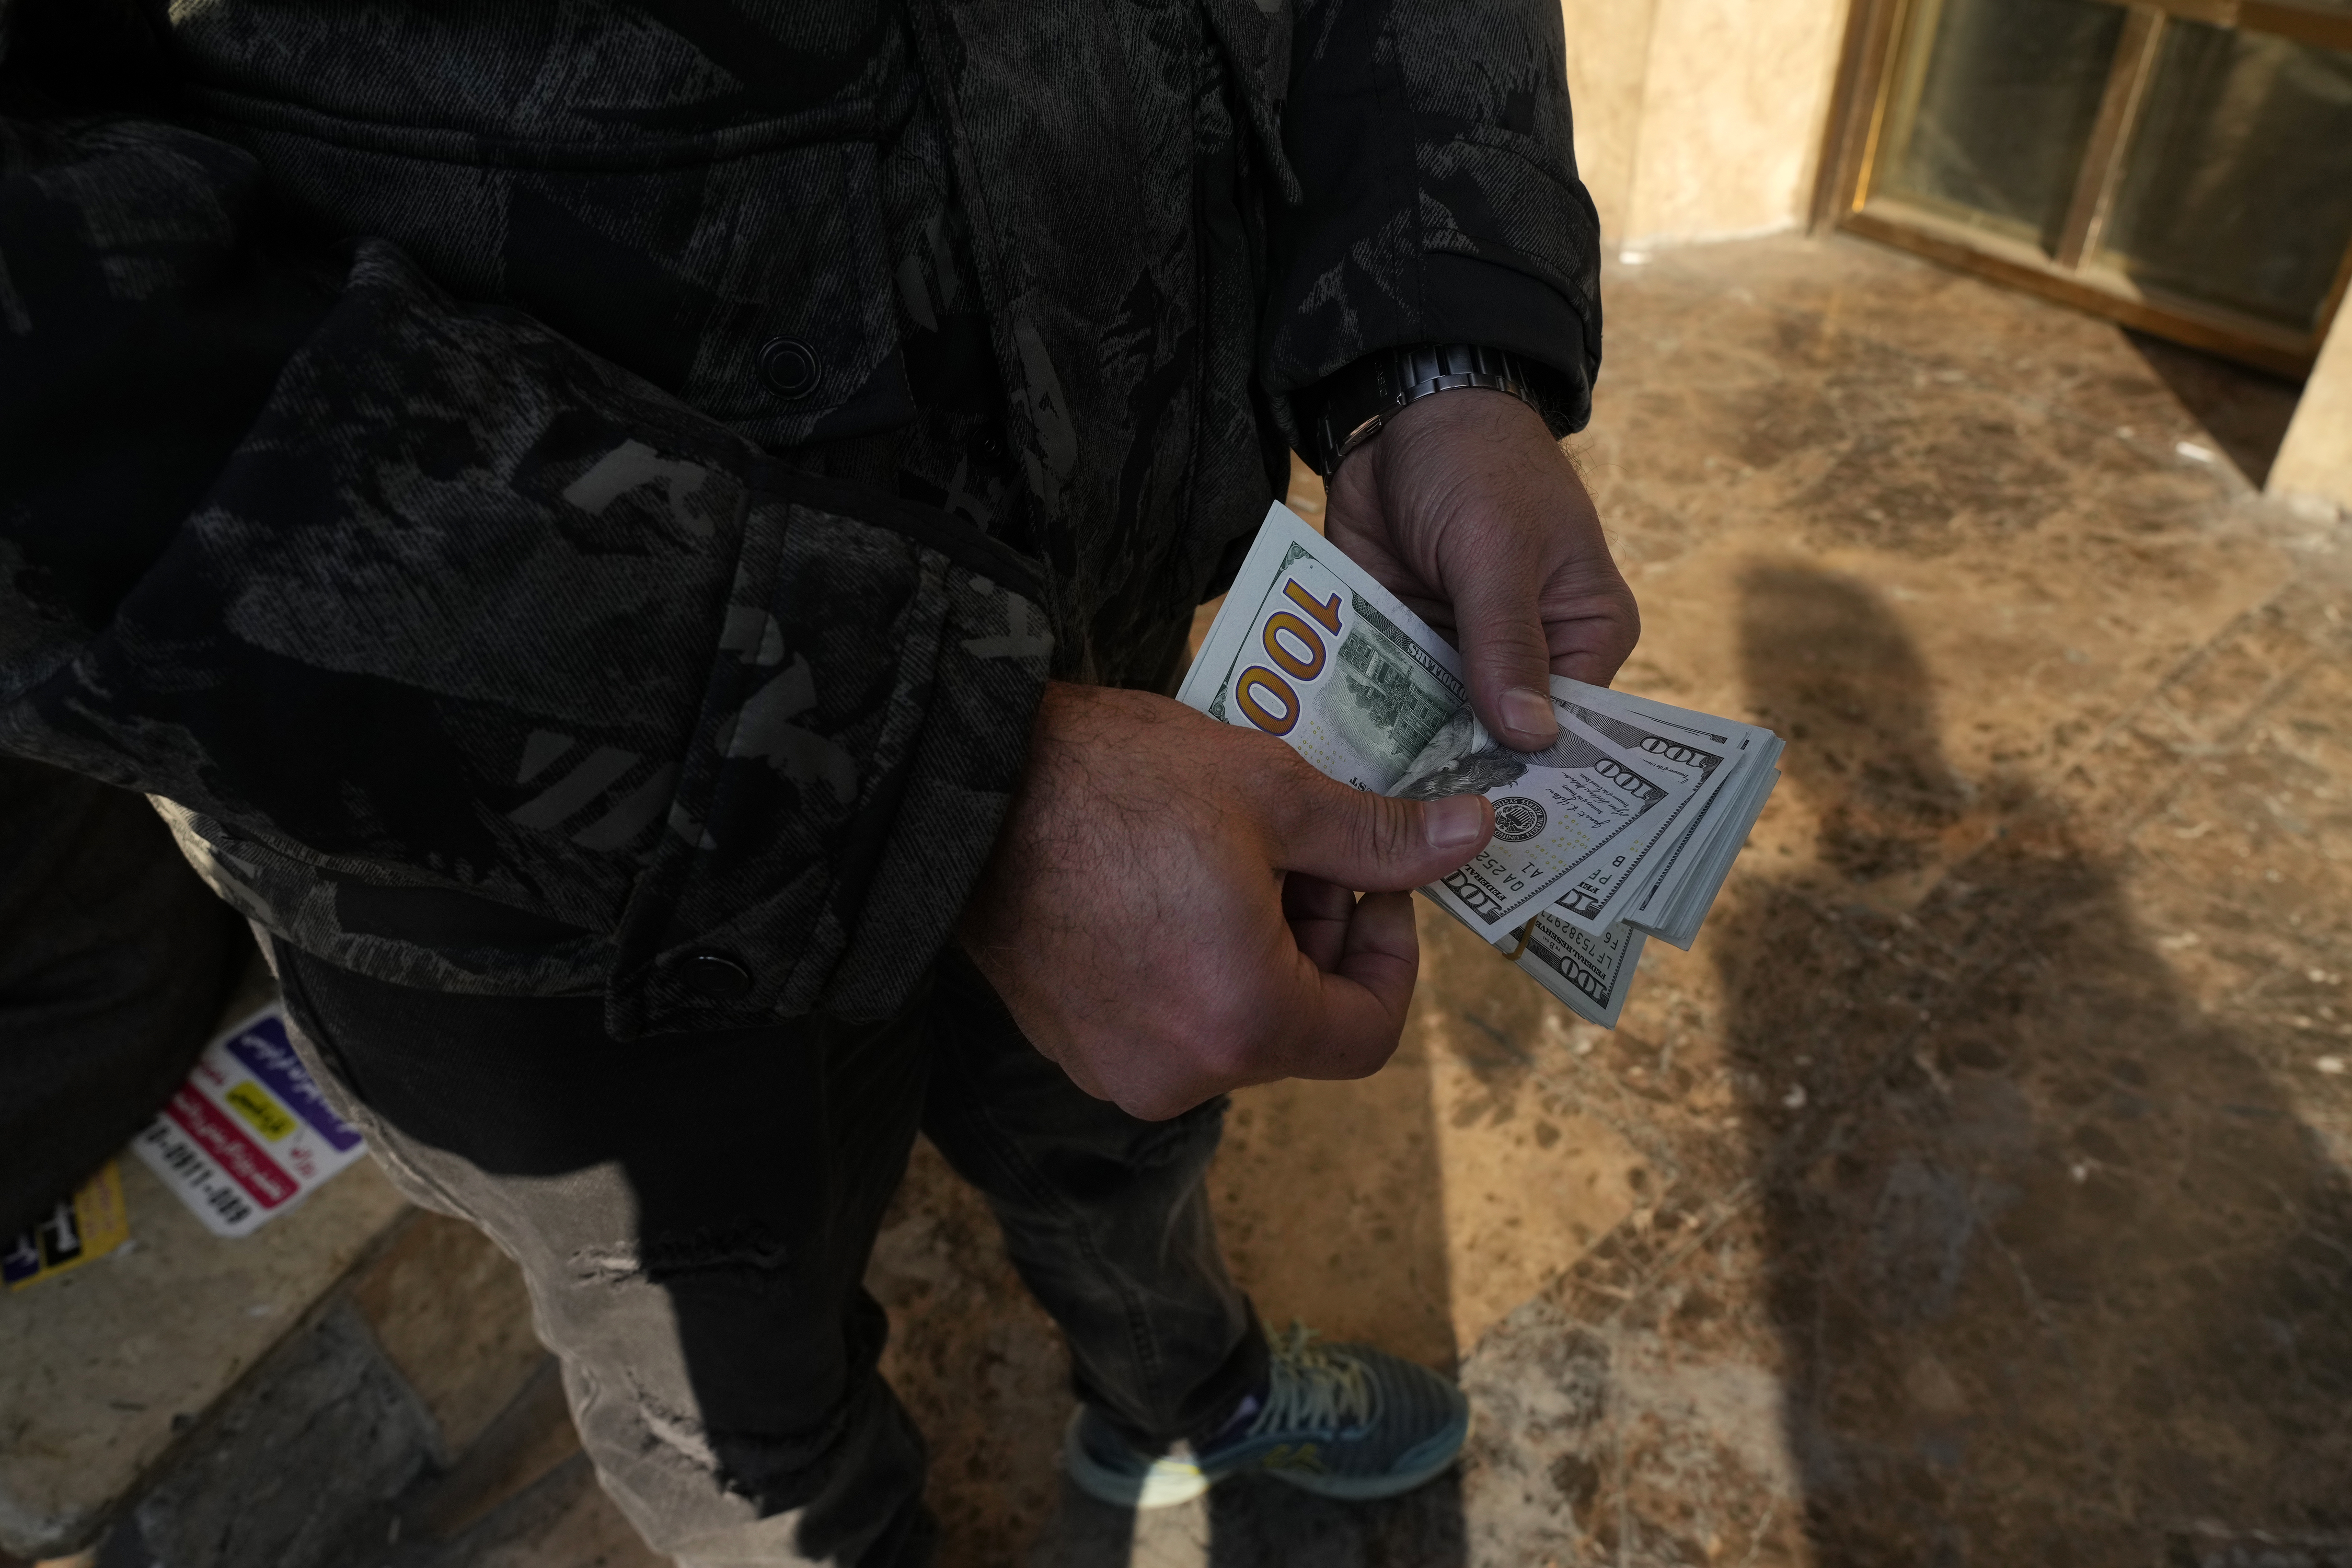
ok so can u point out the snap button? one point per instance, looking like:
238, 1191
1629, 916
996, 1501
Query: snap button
788, 367
714, 977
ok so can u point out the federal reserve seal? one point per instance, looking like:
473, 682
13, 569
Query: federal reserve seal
1517, 818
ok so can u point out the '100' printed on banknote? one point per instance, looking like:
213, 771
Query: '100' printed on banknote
1308, 648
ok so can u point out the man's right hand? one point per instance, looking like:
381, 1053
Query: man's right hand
1167, 911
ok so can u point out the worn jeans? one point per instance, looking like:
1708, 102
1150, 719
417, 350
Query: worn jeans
693, 1214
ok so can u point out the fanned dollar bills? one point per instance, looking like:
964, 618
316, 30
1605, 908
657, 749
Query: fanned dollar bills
1621, 830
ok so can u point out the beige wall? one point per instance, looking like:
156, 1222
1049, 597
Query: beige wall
2315, 460
1608, 62
1700, 118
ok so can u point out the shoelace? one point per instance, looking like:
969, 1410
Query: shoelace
1314, 1387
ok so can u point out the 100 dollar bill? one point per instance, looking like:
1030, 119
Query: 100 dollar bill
1310, 649
1624, 827
1559, 813
1707, 754
1591, 973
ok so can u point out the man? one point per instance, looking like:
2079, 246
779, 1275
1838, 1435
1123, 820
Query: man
640, 543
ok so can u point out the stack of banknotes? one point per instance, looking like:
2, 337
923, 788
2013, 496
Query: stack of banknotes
1621, 830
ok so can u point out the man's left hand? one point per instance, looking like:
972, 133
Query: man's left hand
1465, 508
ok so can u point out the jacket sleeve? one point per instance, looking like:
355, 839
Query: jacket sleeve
455, 654
1438, 198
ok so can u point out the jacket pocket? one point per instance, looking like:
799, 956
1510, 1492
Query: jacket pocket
866, 725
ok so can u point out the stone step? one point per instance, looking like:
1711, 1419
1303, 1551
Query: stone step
356, 1371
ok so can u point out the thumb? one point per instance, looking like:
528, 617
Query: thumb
1370, 842
1503, 651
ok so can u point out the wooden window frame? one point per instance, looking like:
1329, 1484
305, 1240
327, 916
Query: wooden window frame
1863, 96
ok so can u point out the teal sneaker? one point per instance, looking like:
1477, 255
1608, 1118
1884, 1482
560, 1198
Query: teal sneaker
1344, 1421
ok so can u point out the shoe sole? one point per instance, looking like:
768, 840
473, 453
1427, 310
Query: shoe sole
1142, 1494
1160, 1489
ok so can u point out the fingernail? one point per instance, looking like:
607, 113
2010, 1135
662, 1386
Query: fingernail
1529, 712
1455, 822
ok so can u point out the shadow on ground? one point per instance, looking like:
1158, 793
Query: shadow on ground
1984, 1244
2245, 411
1967, 1199
2058, 1273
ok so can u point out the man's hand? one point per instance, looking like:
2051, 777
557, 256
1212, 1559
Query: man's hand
1137, 917
1465, 508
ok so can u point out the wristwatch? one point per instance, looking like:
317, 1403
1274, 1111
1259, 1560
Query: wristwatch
1357, 401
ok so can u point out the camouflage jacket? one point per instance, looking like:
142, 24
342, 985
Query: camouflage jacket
513, 481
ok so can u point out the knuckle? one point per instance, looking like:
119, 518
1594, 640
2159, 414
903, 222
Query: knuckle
1214, 1041
1394, 829
1362, 1058
1152, 1105
1631, 626
1278, 786
1223, 1065
1366, 1062
1251, 1044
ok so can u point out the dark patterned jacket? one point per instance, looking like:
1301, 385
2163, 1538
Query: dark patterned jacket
558, 499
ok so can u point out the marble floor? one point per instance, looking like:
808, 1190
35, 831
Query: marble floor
1978, 1190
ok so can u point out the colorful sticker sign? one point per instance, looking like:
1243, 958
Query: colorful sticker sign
90, 1223
248, 1135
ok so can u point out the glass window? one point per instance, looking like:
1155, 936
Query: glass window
1992, 108
2238, 190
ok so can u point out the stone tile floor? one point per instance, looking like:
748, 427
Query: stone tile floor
1978, 1190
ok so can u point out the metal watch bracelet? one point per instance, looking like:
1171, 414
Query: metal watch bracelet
1358, 400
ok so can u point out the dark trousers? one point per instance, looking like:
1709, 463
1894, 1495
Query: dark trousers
693, 1214
115, 962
